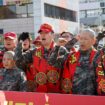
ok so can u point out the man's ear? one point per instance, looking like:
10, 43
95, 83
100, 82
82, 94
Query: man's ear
94, 41
53, 36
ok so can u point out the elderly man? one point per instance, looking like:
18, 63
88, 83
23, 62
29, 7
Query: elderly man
44, 76
78, 77
12, 78
10, 42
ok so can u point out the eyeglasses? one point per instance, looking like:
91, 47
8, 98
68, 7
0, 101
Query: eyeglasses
66, 36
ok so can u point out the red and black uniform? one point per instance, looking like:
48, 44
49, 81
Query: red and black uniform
78, 77
46, 77
75, 73
99, 65
1, 56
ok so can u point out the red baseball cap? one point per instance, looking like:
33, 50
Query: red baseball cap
37, 40
45, 28
10, 35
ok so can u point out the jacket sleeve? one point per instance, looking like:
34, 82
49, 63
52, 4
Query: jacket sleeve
22, 82
58, 56
71, 43
23, 58
94, 68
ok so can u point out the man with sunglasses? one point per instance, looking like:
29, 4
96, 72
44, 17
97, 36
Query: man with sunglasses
64, 38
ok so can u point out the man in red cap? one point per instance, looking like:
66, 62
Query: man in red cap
10, 41
44, 76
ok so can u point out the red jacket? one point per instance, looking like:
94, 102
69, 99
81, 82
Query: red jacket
1, 56
69, 70
100, 73
45, 76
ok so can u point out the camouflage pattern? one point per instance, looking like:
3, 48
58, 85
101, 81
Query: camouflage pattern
60, 54
23, 58
84, 76
70, 44
12, 80
99, 67
1, 56
21, 63
24, 61
38, 58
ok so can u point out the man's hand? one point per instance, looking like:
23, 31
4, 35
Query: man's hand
100, 36
61, 42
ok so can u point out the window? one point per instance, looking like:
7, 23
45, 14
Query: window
102, 4
60, 13
16, 11
82, 14
103, 10
94, 12
83, 1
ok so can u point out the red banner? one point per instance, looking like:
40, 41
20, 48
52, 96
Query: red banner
25, 98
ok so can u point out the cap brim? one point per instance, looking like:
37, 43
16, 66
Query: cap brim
36, 42
9, 37
45, 30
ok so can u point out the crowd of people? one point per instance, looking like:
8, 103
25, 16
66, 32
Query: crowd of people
53, 67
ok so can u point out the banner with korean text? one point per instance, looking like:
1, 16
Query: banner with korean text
28, 98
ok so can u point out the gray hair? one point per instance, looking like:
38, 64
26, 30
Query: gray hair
11, 54
90, 31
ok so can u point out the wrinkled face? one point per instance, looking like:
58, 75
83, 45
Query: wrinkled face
46, 38
26, 44
86, 41
8, 61
9, 43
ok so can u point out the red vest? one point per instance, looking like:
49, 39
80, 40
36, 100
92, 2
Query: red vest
46, 77
1, 57
69, 70
100, 72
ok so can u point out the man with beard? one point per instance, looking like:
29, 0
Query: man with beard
78, 77
45, 77
10, 42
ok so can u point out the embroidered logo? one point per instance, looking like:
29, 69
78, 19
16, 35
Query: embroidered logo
102, 85
53, 76
100, 73
73, 59
66, 85
41, 78
38, 54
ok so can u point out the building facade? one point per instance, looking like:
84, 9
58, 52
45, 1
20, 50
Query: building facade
27, 15
92, 12
62, 14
